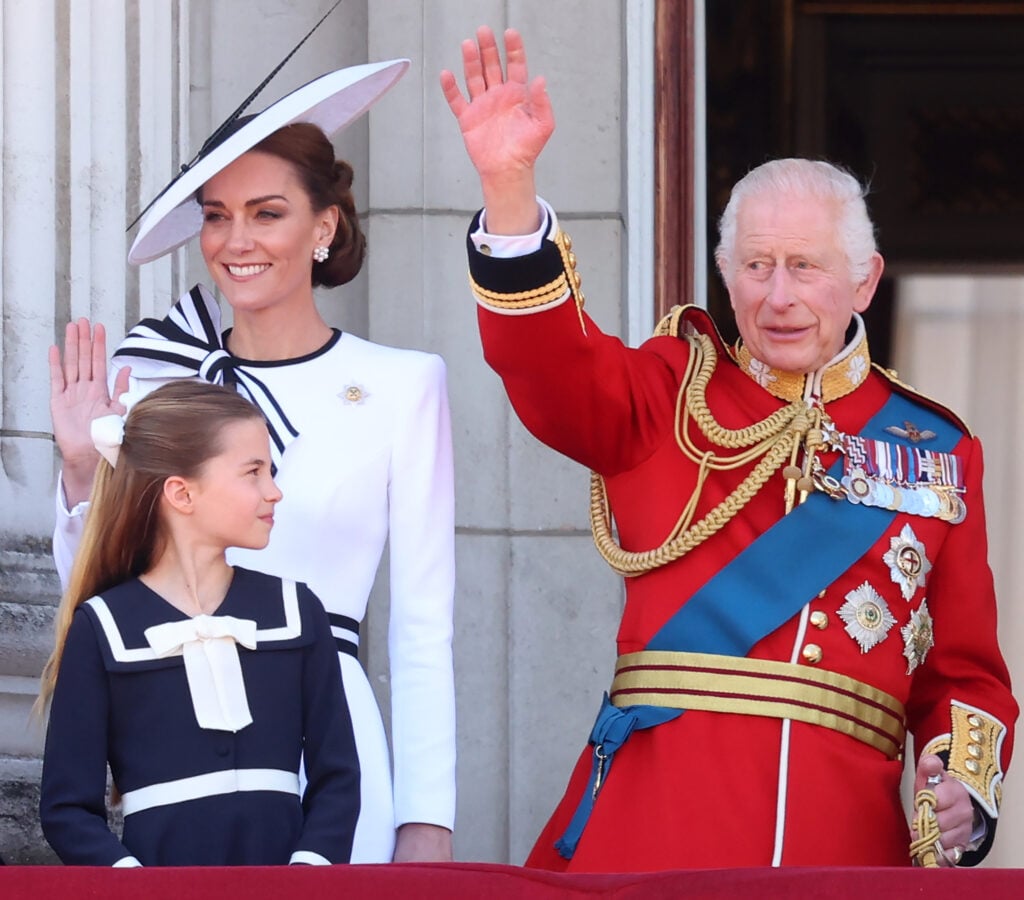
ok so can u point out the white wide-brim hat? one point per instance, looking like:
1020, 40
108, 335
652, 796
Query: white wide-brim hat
331, 101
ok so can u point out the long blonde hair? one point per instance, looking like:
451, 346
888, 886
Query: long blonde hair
172, 431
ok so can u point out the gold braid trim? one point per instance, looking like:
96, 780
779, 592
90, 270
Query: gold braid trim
761, 687
774, 439
567, 282
669, 324
564, 243
548, 293
974, 745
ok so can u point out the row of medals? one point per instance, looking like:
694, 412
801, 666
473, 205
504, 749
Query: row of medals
857, 486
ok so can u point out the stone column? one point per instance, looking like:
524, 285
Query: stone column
77, 161
536, 607
28, 264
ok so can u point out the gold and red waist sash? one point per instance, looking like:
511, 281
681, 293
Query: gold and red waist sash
760, 687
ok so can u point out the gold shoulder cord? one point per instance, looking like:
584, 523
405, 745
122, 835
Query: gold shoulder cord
774, 439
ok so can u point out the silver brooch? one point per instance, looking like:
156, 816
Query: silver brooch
867, 616
354, 394
907, 562
918, 637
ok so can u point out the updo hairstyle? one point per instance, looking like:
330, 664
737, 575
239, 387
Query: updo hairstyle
328, 182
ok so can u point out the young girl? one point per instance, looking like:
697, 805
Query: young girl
200, 684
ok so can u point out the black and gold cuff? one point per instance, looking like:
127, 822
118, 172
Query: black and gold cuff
525, 284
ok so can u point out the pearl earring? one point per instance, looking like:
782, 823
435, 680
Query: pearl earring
320, 254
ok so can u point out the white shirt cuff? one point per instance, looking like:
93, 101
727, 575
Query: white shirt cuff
979, 832
127, 862
508, 246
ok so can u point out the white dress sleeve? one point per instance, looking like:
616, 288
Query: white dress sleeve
67, 532
422, 552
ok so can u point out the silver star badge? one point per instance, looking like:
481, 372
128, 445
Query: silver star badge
907, 562
918, 637
867, 616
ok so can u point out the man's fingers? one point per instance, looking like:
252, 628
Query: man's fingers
539, 99
929, 773
515, 56
472, 69
450, 87
489, 57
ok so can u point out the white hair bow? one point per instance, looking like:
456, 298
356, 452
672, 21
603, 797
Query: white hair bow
107, 436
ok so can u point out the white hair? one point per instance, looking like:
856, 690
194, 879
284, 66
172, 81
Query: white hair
805, 178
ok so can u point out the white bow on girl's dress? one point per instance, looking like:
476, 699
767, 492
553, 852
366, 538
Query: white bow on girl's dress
209, 647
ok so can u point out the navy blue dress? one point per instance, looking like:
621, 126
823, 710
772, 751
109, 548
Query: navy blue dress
197, 796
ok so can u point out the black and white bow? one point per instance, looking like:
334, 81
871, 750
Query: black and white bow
187, 344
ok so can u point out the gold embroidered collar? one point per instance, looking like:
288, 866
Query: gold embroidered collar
841, 376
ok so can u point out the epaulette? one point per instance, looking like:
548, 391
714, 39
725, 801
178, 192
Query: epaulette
690, 319
907, 391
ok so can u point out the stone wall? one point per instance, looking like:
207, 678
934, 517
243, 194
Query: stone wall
28, 591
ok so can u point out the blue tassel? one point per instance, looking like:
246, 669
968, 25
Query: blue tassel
610, 732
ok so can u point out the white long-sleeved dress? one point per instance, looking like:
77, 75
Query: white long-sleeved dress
372, 464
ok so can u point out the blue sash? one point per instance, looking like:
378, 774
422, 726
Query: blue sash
764, 586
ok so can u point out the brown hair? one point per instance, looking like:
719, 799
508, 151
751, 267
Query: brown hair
328, 182
174, 430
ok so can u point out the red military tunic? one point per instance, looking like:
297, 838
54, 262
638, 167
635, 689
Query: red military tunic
714, 789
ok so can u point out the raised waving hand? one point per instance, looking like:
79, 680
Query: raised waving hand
505, 122
78, 394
